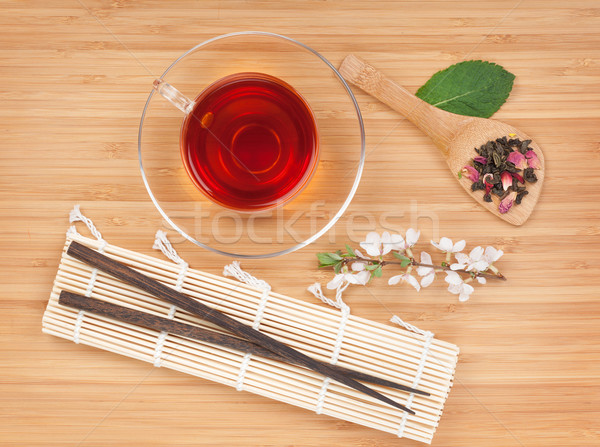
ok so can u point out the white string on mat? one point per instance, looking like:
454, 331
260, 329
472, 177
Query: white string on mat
236, 271
162, 243
76, 216
316, 290
426, 348
399, 321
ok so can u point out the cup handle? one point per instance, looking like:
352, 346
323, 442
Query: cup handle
173, 95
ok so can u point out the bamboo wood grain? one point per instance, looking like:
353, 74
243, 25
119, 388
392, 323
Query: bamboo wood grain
70, 112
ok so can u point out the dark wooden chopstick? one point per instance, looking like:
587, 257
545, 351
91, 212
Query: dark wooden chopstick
150, 321
159, 290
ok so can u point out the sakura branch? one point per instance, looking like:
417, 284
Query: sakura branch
353, 267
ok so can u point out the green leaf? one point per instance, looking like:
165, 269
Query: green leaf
405, 262
377, 271
327, 259
472, 88
371, 266
400, 256
335, 256
459, 174
350, 250
338, 267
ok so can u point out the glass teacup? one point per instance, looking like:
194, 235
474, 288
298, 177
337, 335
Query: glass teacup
304, 124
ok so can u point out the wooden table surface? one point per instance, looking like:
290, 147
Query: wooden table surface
73, 90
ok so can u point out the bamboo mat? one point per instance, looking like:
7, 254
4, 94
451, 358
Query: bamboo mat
415, 359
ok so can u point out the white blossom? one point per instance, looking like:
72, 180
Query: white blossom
491, 254
359, 254
380, 245
406, 277
445, 244
393, 241
361, 277
457, 286
357, 266
372, 244
472, 262
412, 236
428, 273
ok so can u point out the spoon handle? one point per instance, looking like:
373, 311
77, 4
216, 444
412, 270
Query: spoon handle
441, 126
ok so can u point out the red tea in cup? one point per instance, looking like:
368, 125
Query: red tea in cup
250, 143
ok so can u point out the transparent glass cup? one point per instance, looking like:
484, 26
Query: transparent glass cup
315, 207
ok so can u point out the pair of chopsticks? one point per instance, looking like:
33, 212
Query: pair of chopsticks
252, 337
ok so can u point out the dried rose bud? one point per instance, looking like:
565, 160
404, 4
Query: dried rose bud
481, 160
507, 202
506, 180
518, 177
518, 159
532, 160
471, 173
488, 180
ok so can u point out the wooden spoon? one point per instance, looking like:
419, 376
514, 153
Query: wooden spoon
456, 136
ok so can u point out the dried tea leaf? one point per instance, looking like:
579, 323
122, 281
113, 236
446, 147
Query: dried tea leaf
496, 158
472, 88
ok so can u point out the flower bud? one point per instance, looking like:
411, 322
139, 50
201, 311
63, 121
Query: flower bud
488, 180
